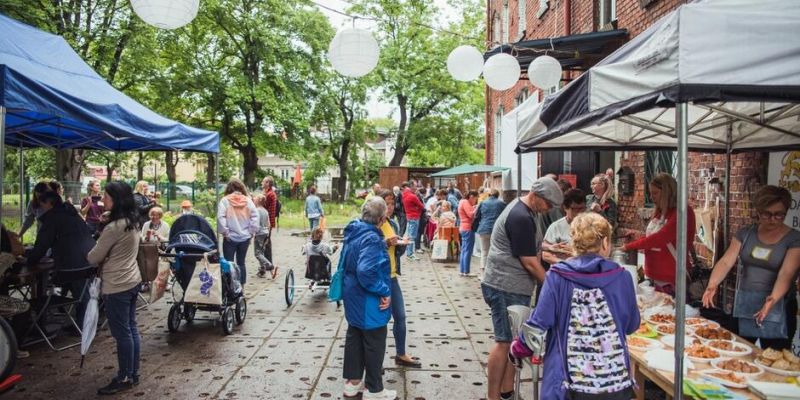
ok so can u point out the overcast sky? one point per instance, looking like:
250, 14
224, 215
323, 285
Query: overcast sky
375, 107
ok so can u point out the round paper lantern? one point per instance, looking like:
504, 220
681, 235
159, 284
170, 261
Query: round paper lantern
166, 14
353, 52
544, 72
501, 71
465, 63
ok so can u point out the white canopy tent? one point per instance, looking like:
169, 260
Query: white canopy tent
714, 76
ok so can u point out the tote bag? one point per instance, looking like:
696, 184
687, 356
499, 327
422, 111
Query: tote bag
205, 287
147, 259
439, 251
337, 280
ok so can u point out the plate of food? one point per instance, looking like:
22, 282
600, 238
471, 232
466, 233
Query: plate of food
701, 322
710, 333
669, 329
726, 378
646, 331
659, 318
779, 362
643, 344
730, 348
740, 367
669, 340
701, 353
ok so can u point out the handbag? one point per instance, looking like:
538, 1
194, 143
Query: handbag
337, 280
159, 285
439, 251
205, 286
147, 259
749, 302
476, 220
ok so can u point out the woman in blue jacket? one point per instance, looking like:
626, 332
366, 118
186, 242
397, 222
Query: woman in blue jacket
366, 292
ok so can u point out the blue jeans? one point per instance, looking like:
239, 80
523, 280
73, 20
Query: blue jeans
411, 231
121, 313
313, 223
236, 250
399, 316
467, 245
498, 301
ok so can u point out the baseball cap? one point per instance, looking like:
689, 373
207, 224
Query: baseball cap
548, 189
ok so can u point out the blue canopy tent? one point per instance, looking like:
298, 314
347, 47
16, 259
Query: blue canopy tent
49, 97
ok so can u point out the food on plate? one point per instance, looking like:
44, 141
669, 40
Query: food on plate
722, 345
728, 376
772, 354
645, 330
735, 365
634, 341
661, 318
713, 333
695, 321
782, 364
788, 356
666, 329
783, 360
701, 351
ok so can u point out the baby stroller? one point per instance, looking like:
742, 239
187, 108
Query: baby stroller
318, 272
191, 239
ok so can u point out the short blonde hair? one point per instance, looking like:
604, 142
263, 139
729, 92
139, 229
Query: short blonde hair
140, 187
156, 210
588, 231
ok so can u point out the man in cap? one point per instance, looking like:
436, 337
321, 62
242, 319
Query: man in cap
186, 207
513, 272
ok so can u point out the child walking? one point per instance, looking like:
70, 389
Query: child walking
262, 238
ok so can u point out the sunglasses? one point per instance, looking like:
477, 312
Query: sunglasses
772, 215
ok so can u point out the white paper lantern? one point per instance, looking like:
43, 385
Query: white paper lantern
544, 72
166, 14
353, 52
465, 63
501, 71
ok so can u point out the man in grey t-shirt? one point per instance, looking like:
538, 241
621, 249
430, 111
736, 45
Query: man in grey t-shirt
513, 270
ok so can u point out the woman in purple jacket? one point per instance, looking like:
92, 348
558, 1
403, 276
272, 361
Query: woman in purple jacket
587, 307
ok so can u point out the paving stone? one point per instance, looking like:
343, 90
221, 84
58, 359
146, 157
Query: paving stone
434, 385
435, 327
281, 382
331, 384
308, 327
293, 352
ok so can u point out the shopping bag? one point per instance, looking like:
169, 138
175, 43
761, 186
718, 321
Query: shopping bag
337, 280
159, 285
322, 223
147, 258
205, 287
439, 251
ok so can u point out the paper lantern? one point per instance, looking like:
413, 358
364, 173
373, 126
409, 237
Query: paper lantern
501, 71
544, 72
353, 52
465, 63
166, 14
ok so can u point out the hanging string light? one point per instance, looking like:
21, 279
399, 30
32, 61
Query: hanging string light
501, 71
353, 52
465, 63
166, 14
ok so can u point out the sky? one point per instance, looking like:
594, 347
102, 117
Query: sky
375, 107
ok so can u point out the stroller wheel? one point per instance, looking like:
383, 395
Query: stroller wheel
189, 312
227, 320
288, 288
241, 310
174, 319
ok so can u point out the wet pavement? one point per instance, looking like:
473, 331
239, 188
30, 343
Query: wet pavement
285, 352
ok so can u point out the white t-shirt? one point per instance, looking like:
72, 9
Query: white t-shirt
558, 232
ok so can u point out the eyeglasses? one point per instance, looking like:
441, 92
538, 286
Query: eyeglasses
780, 215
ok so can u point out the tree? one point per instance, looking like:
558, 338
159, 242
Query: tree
112, 160
411, 71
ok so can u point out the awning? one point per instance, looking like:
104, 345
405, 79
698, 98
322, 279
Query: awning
467, 169
54, 99
574, 52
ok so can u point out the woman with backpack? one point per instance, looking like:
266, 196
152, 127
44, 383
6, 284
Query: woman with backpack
586, 308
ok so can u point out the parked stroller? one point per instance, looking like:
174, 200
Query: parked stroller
191, 239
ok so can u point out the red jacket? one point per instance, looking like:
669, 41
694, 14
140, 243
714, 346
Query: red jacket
270, 203
659, 261
412, 205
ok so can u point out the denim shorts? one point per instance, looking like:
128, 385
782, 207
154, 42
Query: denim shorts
499, 301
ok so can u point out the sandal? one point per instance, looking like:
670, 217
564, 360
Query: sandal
413, 363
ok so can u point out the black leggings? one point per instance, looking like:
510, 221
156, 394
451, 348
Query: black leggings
791, 323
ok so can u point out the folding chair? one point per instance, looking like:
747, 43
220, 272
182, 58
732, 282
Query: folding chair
43, 305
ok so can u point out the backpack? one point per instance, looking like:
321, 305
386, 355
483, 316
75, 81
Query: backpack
278, 206
595, 356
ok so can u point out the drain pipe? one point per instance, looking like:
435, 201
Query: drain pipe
567, 17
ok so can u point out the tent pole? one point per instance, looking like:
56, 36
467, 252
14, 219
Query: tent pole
216, 180
2, 152
21, 186
519, 174
681, 124
726, 227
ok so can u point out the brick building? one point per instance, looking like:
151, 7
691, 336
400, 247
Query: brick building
518, 22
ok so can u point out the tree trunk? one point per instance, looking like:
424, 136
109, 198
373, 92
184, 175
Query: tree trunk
400, 146
69, 165
250, 164
109, 171
140, 167
172, 162
211, 170
344, 155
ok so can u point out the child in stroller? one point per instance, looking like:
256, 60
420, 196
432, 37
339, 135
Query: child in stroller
316, 249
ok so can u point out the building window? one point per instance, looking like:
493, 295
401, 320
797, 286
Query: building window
523, 23
285, 174
543, 6
606, 12
505, 21
522, 96
498, 135
656, 162
496, 29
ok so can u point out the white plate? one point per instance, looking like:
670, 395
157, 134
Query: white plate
652, 344
732, 339
744, 349
649, 318
781, 372
669, 340
701, 322
687, 331
707, 374
718, 361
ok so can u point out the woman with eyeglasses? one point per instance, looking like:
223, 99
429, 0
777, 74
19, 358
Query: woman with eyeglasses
770, 256
659, 243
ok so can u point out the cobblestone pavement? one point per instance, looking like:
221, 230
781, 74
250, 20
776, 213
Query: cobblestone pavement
286, 353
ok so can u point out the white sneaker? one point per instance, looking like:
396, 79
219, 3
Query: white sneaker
420, 251
351, 390
386, 394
